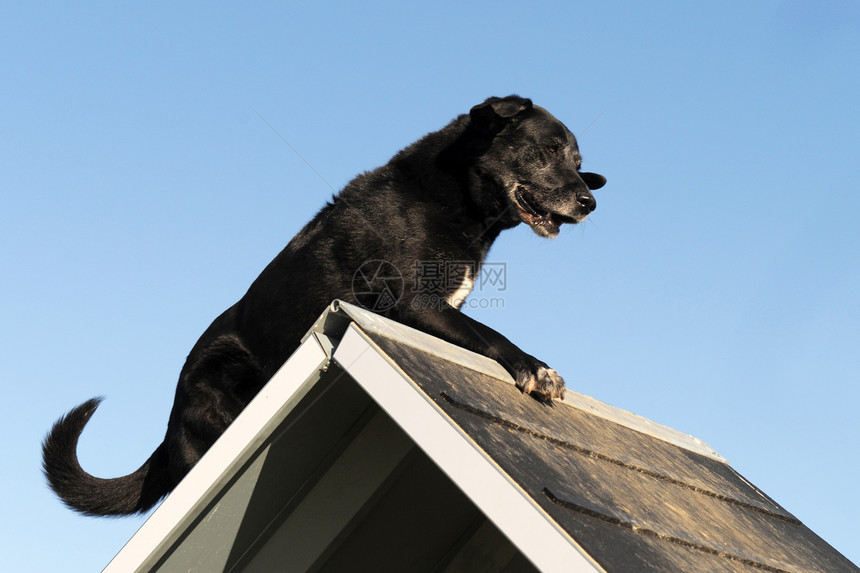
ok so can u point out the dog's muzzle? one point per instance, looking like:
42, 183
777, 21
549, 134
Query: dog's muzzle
545, 221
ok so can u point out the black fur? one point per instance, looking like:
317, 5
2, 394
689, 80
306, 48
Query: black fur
445, 198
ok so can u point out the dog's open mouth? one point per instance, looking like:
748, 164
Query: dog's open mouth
542, 222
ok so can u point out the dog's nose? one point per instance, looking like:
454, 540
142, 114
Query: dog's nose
587, 200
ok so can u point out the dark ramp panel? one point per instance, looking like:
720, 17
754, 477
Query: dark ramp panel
438, 515
633, 501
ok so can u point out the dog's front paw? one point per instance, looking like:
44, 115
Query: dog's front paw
541, 382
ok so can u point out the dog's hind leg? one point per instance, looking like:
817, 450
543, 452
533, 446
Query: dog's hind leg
216, 383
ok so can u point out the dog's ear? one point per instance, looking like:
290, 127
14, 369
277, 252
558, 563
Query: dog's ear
593, 180
503, 106
497, 111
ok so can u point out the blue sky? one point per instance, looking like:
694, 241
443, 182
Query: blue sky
714, 290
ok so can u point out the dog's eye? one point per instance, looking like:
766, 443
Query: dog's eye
552, 149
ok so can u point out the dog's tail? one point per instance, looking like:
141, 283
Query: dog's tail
134, 493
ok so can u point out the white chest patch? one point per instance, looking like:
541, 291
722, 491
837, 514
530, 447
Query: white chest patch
457, 297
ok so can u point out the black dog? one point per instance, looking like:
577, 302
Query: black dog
443, 199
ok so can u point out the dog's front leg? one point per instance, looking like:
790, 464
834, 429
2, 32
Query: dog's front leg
531, 375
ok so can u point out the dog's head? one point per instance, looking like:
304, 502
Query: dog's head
534, 161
